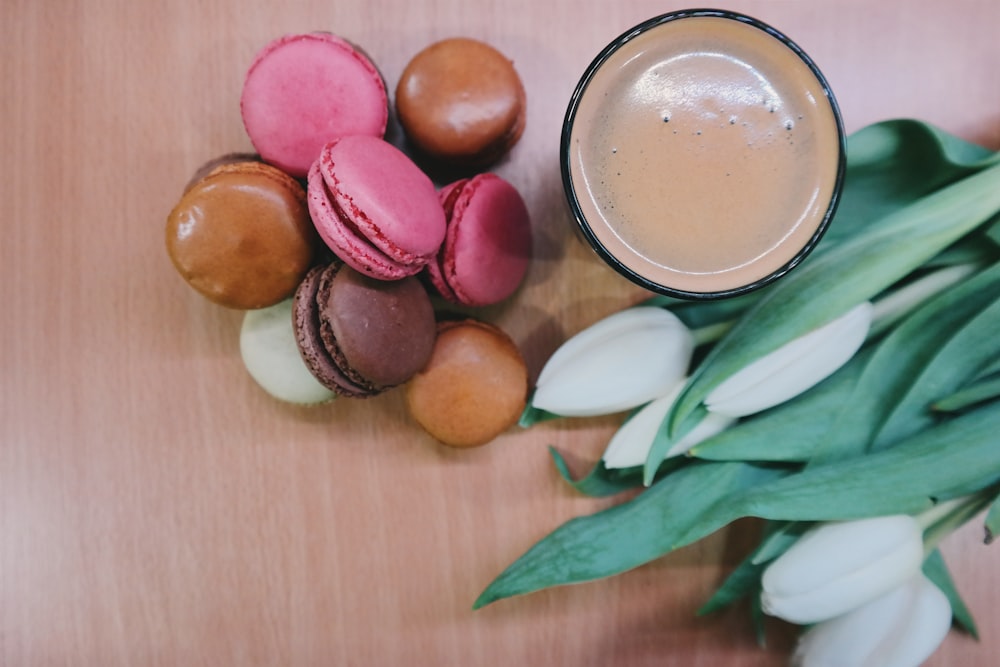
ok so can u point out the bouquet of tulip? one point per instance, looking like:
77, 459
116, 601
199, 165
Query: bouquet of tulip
852, 405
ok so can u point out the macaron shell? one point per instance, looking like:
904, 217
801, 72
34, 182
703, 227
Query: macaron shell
220, 161
270, 354
369, 201
343, 239
303, 90
242, 236
384, 330
488, 245
461, 100
473, 388
308, 337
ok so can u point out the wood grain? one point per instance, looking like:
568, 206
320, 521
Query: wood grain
156, 508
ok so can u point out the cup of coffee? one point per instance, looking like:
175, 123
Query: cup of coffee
702, 154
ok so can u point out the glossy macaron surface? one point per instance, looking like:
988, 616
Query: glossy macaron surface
473, 387
375, 208
461, 101
303, 90
487, 247
241, 236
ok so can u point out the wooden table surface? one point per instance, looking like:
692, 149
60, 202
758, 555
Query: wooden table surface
157, 508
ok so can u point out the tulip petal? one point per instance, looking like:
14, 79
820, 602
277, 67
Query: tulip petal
623, 361
838, 566
631, 443
901, 628
794, 367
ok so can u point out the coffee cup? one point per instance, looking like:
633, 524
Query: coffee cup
702, 154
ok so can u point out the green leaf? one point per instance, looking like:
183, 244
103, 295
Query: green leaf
958, 359
662, 443
856, 269
992, 523
745, 579
532, 415
976, 248
956, 457
910, 368
758, 618
980, 391
742, 582
783, 536
600, 481
993, 232
809, 416
894, 163
937, 571
627, 535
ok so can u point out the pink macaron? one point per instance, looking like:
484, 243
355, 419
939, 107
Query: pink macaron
375, 208
303, 90
487, 246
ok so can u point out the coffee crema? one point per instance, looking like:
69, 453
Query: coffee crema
703, 154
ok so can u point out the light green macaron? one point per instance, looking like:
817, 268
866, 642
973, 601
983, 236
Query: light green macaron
271, 356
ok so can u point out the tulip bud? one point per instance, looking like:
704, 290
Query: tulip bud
835, 567
618, 363
901, 628
631, 443
794, 367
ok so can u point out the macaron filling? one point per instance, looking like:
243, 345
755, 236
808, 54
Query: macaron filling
487, 246
319, 359
375, 208
360, 336
342, 236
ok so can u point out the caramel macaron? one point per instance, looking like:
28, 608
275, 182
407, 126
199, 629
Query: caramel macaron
461, 103
241, 235
473, 388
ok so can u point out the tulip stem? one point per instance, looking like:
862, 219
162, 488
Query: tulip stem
896, 305
711, 333
947, 516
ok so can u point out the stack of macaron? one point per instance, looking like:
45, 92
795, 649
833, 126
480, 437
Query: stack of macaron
333, 239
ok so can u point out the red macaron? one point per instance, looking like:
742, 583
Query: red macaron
487, 246
375, 208
302, 90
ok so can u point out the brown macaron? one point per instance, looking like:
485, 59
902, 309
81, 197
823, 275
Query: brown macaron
461, 103
242, 236
473, 388
360, 336
216, 162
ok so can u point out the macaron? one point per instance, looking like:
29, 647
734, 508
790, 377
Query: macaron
487, 246
302, 90
359, 336
473, 387
241, 236
375, 208
270, 354
211, 165
461, 102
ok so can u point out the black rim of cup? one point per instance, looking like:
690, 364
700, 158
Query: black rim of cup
570, 190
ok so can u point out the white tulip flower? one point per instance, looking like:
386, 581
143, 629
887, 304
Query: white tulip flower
901, 628
621, 362
794, 367
631, 443
838, 566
